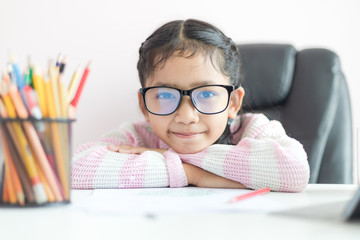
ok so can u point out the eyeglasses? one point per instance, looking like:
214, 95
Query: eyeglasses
208, 99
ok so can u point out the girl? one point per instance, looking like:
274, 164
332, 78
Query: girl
190, 98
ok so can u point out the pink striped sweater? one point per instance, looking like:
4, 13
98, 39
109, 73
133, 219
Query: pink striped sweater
264, 156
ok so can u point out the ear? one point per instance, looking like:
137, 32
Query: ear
142, 107
236, 99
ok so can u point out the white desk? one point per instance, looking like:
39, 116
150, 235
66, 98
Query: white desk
67, 222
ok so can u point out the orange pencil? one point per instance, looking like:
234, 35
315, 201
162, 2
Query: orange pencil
249, 195
5, 195
10, 184
9, 162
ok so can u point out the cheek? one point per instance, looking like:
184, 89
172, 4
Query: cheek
217, 123
159, 123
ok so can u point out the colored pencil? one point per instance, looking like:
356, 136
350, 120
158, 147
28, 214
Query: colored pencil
38, 82
63, 164
19, 193
249, 195
53, 77
5, 194
72, 86
15, 151
9, 182
75, 101
56, 139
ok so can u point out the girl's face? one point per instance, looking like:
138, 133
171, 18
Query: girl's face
187, 130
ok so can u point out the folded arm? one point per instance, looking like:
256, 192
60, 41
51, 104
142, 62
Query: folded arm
195, 175
264, 157
96, 166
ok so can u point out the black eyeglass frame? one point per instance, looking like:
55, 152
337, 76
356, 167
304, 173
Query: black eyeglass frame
229, 88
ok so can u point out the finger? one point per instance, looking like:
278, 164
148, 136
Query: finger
123, 150
130, 150
113, 148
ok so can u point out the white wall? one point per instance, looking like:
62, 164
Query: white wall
110, 33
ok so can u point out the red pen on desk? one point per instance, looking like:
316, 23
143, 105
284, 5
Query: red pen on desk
249, 195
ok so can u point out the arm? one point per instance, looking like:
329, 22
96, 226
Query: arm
95, 166
202, 178
264, 157
195, 175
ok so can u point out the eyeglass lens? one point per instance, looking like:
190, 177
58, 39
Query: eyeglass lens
207, 99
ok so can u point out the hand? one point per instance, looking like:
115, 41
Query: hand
202, 178
133, 150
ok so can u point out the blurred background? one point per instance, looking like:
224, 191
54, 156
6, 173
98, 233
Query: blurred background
110, 32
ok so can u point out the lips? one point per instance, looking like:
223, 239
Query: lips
187, 134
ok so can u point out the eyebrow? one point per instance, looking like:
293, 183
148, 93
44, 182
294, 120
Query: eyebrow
197, 84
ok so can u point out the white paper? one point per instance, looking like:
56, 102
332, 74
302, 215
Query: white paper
186, 200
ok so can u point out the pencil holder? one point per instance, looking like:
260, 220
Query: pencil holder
35, 161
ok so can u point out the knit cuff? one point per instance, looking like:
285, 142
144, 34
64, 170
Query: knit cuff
176, 172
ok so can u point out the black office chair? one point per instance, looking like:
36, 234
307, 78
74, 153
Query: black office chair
307, 92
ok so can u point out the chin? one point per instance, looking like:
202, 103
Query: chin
187, 150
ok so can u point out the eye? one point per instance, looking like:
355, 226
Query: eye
206, 94
165, 95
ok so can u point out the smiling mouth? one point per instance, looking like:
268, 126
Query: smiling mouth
186, 134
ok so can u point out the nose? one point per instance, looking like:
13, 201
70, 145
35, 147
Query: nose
186, 113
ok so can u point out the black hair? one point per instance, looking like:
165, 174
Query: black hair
187, 38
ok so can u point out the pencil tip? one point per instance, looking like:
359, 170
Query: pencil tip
59, 57
21, 199
9, 68
36, 70
12, 57
89, 64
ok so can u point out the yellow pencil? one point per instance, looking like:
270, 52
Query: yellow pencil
53, 76
62, 95
73, 84
38, 81
64, 170
49, 98
56, 140
59, 70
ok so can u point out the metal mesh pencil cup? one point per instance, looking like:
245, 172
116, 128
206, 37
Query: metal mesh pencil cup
35, 161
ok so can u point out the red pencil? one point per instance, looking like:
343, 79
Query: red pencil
249, 195
75, 100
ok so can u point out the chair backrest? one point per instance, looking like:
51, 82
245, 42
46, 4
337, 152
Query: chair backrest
307, 92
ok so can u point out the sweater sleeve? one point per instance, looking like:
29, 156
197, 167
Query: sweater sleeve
264, 157
94, 166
